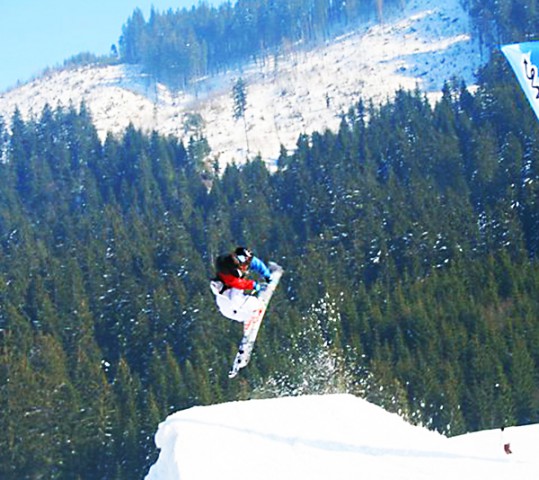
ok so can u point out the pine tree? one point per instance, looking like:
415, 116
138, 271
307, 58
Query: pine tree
239, 96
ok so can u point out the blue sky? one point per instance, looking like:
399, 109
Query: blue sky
36, 34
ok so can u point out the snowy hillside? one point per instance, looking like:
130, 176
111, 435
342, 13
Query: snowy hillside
327, 437
426, 44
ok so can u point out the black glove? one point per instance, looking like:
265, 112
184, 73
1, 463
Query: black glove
268, 279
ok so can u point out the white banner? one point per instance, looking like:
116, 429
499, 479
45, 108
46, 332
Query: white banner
524, 58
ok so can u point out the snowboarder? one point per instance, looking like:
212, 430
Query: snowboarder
235, 293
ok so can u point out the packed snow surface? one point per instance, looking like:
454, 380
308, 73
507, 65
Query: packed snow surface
330, 437
300, 91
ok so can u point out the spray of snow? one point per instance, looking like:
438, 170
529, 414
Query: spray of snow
318, 367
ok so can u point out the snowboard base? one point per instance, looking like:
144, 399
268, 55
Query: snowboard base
252, 325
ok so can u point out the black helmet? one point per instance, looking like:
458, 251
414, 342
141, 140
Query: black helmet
243, 256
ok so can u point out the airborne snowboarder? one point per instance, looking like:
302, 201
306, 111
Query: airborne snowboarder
234, 292
243, 299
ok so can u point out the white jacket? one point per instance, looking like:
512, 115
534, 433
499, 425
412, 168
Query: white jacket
233, 303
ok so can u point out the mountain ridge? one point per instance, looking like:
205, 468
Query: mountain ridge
302, 92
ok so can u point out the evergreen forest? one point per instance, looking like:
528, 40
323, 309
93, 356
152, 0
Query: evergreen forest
409, 237
179, 46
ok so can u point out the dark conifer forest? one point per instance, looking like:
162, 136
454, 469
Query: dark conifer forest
409, 237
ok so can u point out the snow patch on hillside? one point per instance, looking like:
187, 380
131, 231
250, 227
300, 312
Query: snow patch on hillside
429, 42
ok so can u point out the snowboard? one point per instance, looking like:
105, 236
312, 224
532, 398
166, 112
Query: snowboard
252, 325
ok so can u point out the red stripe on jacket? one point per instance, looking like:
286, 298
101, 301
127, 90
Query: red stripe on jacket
235, 282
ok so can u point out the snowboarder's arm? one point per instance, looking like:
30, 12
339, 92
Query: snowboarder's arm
260, 267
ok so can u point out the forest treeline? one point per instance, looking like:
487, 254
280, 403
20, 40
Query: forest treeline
505, 21
180, 45
409, 238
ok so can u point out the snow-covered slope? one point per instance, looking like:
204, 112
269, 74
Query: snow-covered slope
330, 437
303, 91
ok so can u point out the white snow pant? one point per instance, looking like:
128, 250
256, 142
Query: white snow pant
235, 305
